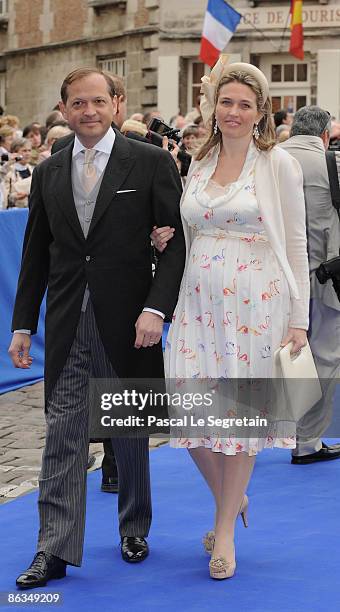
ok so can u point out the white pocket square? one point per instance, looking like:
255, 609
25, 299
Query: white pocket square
126, 190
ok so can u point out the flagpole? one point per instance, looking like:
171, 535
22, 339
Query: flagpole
262, 33
284, 30
220, 23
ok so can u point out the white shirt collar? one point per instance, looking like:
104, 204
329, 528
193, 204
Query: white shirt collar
18, 166
104, 145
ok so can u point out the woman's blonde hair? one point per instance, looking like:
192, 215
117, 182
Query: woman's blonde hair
6, 131
12, 120
266, 139
55, 132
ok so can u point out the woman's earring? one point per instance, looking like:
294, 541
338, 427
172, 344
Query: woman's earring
215, 128
256, 132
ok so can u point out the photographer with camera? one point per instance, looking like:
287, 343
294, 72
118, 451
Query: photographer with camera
308, 142
16, 174
157, 130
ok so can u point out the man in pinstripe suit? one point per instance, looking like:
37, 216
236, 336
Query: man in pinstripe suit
92, 208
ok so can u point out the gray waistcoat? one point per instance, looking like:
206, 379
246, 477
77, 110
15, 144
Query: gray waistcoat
85, 205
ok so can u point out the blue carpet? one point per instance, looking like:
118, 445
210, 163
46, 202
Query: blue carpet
12, 228
288, 559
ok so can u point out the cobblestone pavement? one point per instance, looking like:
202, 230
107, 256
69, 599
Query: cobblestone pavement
22, 434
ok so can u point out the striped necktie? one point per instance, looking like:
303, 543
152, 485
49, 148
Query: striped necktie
90, 173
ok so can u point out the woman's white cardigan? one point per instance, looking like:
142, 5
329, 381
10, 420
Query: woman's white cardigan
279, 193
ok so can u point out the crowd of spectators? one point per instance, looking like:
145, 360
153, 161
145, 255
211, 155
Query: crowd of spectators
23, 148
283, 121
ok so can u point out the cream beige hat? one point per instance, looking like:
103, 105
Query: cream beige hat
221, 69
130, 125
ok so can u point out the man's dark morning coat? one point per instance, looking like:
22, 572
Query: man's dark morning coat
141, 188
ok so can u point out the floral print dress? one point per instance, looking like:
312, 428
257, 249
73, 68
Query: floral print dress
233, 308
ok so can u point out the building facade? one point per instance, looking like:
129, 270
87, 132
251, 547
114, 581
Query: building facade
154, 45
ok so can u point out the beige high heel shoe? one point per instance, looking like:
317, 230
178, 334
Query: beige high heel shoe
220, 568
209, 538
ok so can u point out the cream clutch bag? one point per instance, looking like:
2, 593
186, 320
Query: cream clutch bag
301, 382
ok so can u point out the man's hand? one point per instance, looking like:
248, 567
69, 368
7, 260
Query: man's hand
149, 327
161, 235
175, 148
19, 351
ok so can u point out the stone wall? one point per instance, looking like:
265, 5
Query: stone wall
34, 78
48, 38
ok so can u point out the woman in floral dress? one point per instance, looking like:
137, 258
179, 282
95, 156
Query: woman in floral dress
245, 289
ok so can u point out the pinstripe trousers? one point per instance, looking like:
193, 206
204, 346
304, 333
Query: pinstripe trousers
62, 481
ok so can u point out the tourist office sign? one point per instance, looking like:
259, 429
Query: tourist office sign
277, 18
187, 17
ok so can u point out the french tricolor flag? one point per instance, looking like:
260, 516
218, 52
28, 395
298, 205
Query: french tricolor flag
220, 23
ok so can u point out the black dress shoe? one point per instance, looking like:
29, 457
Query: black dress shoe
43, 568
331, 446
326, 453
110, 484
134, 549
